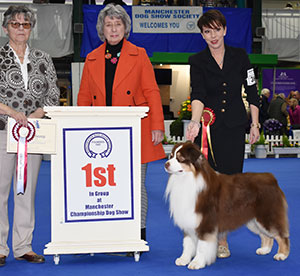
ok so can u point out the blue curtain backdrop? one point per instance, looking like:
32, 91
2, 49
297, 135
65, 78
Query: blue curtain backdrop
239, 33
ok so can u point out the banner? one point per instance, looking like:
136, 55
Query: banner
98, 178
239, 32
285, 80
165, 19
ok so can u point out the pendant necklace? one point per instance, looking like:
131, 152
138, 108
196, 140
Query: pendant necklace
221, 62
112, 59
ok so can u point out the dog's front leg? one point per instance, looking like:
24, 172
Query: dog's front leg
206, 253
189, 251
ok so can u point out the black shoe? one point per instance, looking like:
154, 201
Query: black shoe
2, 261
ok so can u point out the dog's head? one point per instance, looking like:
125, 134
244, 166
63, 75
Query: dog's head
185, 157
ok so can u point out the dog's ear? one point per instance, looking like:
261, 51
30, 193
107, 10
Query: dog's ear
192, 152
200, 161
176, 146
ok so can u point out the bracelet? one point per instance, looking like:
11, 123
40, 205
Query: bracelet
255, 125
195, 122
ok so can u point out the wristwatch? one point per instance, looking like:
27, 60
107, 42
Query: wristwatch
255, 125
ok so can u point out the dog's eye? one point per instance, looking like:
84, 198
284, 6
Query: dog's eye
180, 158
171, 155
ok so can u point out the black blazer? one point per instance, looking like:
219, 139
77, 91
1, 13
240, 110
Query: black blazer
220, 89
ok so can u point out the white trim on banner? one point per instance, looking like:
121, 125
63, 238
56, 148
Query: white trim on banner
165, 19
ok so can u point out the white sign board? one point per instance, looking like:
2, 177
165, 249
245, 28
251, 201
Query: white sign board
98, 179
42, 136
165, 19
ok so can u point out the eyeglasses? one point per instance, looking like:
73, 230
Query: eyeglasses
17, 25
113, 26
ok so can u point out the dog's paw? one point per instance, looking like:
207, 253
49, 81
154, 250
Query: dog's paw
181, 261
196, 264
263, 250
280, 257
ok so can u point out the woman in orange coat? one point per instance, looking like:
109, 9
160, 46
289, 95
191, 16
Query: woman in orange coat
119, 73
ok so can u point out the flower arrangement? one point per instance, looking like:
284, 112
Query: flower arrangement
167, 141
185, 112
272, 127
261, 140
285, 143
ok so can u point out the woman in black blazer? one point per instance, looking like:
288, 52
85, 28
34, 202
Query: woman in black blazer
217, 76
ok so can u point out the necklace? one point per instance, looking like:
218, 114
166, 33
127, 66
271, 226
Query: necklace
221, 61
215, 58
112, 59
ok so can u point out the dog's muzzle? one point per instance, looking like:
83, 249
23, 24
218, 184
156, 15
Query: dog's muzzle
173, 166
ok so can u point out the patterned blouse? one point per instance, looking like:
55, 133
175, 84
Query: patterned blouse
41, 89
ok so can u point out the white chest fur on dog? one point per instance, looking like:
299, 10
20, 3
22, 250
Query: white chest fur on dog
182, 191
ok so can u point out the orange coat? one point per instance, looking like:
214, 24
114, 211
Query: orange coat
134, 85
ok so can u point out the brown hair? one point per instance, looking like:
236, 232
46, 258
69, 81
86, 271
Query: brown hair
211, 19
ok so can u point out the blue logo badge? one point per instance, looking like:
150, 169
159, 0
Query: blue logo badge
190, 25
97, 143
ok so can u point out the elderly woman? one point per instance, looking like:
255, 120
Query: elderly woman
264, 105
28, 83
119, 73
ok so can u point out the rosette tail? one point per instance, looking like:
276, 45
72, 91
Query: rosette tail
207, 119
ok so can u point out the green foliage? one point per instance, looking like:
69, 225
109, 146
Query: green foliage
168, 141
185, 112
285, 141
261, 140
176, 128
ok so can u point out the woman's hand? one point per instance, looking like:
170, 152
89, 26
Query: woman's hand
255, 126
192, 130
19, 117
254, 134
38, 114
157, 136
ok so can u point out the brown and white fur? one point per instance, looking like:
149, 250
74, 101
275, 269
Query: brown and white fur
205, 203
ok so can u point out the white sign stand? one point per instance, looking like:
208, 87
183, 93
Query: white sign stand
96, 181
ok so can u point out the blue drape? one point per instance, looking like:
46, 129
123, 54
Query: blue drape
239, 33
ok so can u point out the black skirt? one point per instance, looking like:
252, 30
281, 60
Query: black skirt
228, 146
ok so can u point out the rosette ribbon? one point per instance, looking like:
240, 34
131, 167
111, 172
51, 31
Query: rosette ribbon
22, 135
207, 119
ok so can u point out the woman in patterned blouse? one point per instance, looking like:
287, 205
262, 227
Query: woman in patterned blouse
27, 84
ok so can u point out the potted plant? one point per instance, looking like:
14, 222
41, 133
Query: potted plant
272, 127
247, 149
184, 115
285, 147
260, 149
168, 145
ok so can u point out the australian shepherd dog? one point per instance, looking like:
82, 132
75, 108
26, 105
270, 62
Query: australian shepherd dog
205, 203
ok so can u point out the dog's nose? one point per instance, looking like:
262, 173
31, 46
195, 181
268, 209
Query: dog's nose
167, 164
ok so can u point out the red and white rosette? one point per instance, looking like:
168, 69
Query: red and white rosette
22, 135
207, 119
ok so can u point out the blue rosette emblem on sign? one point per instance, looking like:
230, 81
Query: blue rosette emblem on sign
97, 143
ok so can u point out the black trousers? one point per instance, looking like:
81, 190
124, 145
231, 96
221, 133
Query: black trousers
228, 146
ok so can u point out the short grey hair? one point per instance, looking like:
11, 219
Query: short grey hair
112, 10
12, 11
